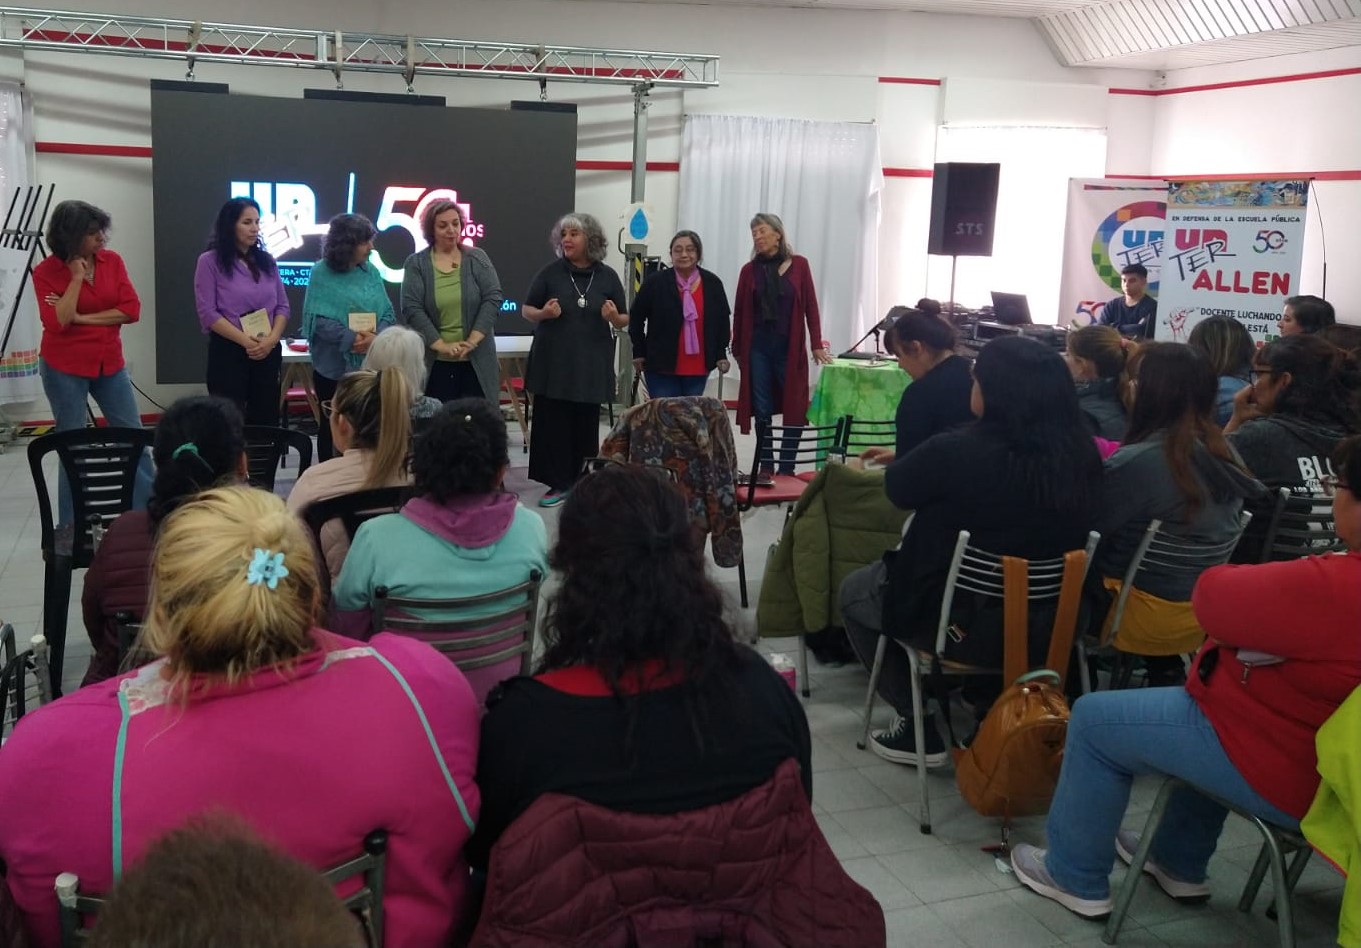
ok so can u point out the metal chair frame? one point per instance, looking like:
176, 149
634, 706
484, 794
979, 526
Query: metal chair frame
1165, 551
516, 624
859, 434
101, 469
18, 695
267, 450
366, 903
1300, 525
1277, 843
980, 572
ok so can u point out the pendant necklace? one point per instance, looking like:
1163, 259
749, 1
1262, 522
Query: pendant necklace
581, 294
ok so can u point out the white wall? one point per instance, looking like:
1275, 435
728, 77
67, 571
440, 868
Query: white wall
1289, 127
781, 62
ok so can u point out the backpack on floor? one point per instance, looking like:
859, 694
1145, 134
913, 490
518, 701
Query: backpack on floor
1011, 767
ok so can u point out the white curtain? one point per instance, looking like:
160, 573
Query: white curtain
19, 368
1032, 202
823, 179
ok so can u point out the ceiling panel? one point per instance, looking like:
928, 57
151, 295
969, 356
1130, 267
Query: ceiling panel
1140, 34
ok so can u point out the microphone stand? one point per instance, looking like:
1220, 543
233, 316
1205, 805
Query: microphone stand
875, 331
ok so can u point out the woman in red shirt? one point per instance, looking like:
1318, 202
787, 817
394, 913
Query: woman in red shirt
1281, 655
680, 323
84, 297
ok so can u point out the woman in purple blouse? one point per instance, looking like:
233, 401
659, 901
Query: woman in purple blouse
236, 277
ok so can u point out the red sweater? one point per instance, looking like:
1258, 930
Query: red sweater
1306, 611
792, 401
86, 351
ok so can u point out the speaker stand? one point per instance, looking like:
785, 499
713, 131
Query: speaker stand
954, 262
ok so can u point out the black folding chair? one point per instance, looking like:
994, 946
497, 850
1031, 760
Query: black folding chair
351, 510
101, 469
267, 450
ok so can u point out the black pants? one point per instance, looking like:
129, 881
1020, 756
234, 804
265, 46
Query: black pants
252, 385
451, 380
326, 390
562, 436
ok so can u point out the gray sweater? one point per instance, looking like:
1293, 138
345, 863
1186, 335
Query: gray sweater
1138, 488
481, 302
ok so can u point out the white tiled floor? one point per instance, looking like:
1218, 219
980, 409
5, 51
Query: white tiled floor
937, 890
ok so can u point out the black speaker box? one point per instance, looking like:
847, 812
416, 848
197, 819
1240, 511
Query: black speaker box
963, 209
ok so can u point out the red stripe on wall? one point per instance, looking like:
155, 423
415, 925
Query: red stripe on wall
1246, 176
908, 81
590, 164
107, 151
909, 172
1242, 83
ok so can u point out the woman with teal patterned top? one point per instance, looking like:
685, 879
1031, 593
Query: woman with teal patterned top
342, 291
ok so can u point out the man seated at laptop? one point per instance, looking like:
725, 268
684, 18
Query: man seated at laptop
1135, 313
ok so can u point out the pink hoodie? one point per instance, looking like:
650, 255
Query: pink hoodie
353, 737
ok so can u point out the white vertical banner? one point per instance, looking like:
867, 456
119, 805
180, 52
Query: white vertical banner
19, 361
1233, 249
1111, 224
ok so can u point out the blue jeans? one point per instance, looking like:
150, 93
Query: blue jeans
665, 385
67, 395
1114, 736
767, 362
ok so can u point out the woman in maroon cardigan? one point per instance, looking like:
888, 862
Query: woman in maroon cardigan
200, 443
775, 299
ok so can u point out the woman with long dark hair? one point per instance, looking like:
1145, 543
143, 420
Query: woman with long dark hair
634, 708
199, 444
1023, 480
243, 310
1305, 397
1175, 466
1097, 356
1230, 348
344, 293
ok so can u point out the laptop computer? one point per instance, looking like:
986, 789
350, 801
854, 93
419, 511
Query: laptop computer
1011, 309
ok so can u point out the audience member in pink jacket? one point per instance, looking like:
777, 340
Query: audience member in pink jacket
314, 740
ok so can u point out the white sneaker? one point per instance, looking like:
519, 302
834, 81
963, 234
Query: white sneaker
1028, 863
1127, 842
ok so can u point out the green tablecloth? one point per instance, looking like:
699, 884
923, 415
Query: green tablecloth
859, 388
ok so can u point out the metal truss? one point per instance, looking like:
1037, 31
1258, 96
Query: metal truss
406, 56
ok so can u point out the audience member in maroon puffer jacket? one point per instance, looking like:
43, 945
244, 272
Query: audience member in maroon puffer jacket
646, 713
200, 444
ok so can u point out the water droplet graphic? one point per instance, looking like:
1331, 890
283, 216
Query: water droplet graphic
638, 225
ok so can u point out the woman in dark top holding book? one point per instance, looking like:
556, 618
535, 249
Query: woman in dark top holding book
938, 398
634, 708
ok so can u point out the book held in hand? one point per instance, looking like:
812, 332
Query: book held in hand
363, 322
257, 324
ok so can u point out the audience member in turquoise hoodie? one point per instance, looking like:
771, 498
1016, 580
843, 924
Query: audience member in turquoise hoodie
462, 535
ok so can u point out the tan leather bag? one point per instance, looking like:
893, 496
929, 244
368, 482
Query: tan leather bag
1012, 766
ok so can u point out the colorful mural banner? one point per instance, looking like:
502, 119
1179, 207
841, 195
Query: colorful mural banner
19, 368
1233, 248
1112, 223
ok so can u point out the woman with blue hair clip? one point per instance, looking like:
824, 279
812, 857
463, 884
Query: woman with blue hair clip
312, 739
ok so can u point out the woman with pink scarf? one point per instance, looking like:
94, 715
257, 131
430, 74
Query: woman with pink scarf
680, 323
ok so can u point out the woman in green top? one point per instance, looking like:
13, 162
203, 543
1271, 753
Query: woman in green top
451, 295
346, 306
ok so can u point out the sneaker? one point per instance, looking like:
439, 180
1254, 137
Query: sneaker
553, 498
899, 745
1127, 842
1028, 863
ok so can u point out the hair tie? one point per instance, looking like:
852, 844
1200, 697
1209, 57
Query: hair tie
266, 567
188, 446
467, 418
